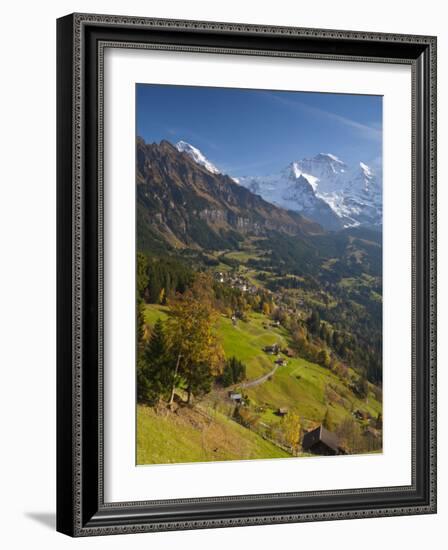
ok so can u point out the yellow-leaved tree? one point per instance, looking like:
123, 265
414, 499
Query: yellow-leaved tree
290, 426
191, 333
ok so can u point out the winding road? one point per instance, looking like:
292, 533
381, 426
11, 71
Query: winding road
257, 381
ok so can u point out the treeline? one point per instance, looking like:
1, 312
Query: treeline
162, 277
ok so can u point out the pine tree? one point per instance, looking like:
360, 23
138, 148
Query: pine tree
154, 368
142, 274
156, 348
234, 371
314, 322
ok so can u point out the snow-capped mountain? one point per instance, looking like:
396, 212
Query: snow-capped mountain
322, 188
335, 195
197, 156
294, 190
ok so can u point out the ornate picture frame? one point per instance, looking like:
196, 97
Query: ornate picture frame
81, 506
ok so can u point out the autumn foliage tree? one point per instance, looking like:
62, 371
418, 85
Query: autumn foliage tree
323, 358
290, 427
192, 337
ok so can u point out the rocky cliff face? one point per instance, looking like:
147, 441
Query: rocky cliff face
185, 204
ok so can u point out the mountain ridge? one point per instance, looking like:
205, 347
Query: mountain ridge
181, 202
339, 195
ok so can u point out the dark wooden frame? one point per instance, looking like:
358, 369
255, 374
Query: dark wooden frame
81, 39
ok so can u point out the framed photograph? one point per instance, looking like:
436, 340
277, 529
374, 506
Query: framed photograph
246, 274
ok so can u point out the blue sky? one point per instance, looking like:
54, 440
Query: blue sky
258, 132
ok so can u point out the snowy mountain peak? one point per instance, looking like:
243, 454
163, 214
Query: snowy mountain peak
322, 166
322, 188
295, 172
197, 156
329, 156
366, 170
325, 189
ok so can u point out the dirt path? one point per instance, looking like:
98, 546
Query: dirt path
258, 381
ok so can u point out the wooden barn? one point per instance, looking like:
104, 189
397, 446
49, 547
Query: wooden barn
281, 362
288, 352
320, 441
272, 350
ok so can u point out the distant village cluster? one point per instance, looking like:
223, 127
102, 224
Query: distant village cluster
236, 280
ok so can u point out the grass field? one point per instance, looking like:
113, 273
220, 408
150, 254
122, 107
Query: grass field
154, 312
302, 386
191, 436
310, 390
246, 341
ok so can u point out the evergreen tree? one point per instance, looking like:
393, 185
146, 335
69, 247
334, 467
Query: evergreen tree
234, 371
314, 322
142, 274
141, 283
154, 368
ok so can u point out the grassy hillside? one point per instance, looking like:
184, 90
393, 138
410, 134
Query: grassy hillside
311, 391
196, 435
246, 340
208, 432
305, 387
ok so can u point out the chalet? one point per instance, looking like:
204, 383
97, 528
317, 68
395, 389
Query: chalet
320, 441
235, 396
282, 411
272, 350
281, 362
